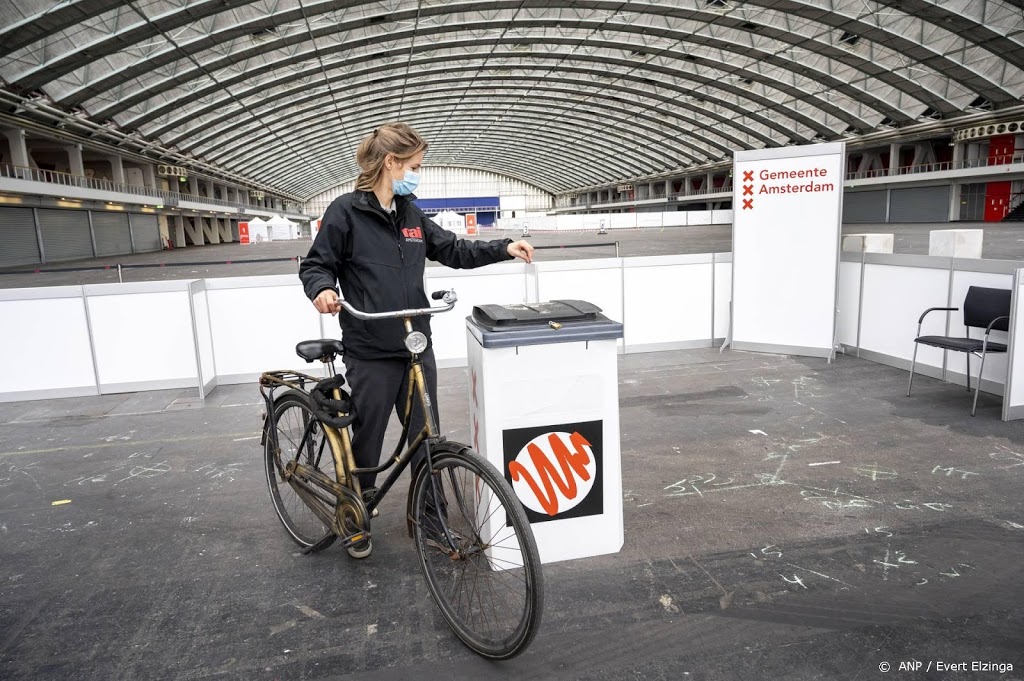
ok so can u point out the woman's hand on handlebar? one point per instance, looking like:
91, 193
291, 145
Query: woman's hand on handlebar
326, 302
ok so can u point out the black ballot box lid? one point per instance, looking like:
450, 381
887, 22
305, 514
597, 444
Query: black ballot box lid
556, 321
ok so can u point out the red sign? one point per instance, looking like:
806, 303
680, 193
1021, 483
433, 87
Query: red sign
243, 232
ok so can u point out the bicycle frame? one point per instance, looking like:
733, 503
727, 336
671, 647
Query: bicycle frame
428, 435
341, 445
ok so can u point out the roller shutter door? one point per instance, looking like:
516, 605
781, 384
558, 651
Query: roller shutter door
864, 206
18, 244
919, 204
145, 232
112, 235
65, 234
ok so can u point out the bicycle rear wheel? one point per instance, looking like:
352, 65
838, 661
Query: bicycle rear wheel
293, 417
486, 580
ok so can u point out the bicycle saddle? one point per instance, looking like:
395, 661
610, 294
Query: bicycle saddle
325, 349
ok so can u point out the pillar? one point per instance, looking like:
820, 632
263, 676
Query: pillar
149, 176
894, 157
116, 169
19, 148
193, 226
75, 159
223, 227
193, 185
177, 228
210, 230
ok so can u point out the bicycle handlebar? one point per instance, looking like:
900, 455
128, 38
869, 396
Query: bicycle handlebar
448, 297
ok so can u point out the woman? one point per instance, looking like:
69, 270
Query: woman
374, 242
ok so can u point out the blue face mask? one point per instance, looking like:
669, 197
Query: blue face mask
407, 185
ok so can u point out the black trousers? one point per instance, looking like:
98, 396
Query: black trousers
377, 387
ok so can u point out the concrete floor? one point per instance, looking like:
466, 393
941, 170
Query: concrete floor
1001, 242
785, 519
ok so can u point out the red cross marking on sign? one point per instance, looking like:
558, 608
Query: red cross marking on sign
748, 175
748, 204
476, 434
472, 375
748, 190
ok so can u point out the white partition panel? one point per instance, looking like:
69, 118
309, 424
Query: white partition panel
595, 281
566, 223
623, 221
894, 299
956, 362
499, 284
595, 220
545, 223
142, 335
1013, 398
203, 337
256, 324
46, 349
650, 220
674, 219
698, 217
668, 302
721, 217
723, 294
849, 302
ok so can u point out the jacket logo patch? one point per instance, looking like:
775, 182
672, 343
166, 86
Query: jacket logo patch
413, 234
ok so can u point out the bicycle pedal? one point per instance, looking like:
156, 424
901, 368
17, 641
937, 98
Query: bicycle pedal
320, 545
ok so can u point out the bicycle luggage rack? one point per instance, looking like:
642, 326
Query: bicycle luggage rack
346, 518
286, 378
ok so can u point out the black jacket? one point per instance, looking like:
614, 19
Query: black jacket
378, 259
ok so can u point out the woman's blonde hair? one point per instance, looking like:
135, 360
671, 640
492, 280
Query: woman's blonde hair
391, 138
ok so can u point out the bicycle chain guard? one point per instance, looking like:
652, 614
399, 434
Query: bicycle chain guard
352, 518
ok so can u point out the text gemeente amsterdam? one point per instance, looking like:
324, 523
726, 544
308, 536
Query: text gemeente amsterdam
812, 175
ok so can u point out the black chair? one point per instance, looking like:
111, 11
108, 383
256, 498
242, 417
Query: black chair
984, 308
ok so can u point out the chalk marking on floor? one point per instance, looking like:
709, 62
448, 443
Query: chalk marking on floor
819, 574
241, 439
283, 627
309, 612
1008, 524
371, 629
824, 463
758, 432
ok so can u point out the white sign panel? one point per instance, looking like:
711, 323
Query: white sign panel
787, 208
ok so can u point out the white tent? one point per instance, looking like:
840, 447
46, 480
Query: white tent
451, 221
282, 228
258, 231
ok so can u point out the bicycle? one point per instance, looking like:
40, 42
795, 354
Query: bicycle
473, 540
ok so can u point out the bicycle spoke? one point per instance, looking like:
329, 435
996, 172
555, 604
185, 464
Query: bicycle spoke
486, 590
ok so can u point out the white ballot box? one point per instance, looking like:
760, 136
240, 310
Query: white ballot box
544, 409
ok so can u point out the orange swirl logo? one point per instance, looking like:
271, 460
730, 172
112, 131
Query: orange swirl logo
554, 472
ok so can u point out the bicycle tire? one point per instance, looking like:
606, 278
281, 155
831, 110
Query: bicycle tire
495, 542
292, 412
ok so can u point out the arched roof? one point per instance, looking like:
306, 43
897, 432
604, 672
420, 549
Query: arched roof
567, 94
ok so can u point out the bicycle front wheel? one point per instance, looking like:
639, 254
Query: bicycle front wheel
301, 438
478, 552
